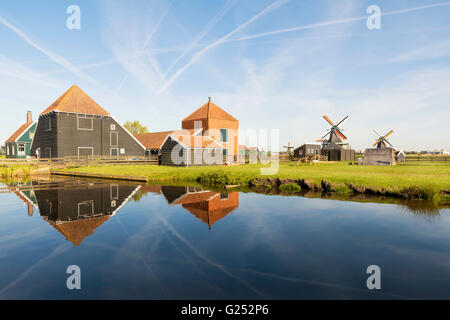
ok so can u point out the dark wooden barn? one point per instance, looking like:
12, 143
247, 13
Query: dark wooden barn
307, 150
75, 125
190, 150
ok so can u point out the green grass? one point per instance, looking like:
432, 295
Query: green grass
424, 176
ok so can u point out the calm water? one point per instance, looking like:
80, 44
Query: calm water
153, 242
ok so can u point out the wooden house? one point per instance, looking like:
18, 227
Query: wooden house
307, 150
181, 149
335, 152
75, 125
18, 145
216, 124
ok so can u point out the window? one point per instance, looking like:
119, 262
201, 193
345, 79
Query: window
122, 150
85, 151
85, 123
86, 208
31, 134
47, 124
224, 135
113, 204
223, 196
113, 127
114, 139
114, 152
48, 152
114, 192
225, 153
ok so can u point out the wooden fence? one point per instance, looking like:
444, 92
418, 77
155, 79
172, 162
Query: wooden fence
82, 161
419, 159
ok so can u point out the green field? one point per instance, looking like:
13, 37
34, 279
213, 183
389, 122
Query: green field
429, 178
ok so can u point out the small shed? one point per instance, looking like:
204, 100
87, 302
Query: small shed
380, 157
190, 150
401, 157
307, 150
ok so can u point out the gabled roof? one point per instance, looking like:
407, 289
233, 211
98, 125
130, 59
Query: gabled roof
19, 132
154, 140
191, 141
210, 111
76, 100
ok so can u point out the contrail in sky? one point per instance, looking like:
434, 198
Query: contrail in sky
200, 53
334, 22
53, 56
205, 31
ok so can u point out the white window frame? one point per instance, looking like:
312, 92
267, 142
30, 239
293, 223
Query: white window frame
113, 127
31, 134
117, 139
84, 129
114, 187
78, 150
91, 202
20, 153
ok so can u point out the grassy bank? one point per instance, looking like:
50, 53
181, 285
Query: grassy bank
422, 180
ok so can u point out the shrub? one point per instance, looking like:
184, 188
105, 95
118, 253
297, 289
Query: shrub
290, 187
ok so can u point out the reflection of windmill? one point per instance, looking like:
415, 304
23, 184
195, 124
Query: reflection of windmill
288, 148
335, 133
382, 140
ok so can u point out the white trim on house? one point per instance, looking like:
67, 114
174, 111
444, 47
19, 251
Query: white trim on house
126, 200
125, 129
26, 131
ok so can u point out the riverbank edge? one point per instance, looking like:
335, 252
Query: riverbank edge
284, 186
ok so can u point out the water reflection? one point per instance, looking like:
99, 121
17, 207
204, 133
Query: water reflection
76, 208
156, 244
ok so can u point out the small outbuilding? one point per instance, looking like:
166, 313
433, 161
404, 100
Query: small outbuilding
380, 157
307, 150
190, 150
335, 152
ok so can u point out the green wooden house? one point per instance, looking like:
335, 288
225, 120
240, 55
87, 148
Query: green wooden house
18, 146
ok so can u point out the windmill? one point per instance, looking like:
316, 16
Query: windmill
335, 133
382, 141
289, 148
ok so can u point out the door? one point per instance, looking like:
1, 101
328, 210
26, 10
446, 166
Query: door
21, 150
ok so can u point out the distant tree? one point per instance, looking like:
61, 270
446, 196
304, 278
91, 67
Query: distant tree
135, 127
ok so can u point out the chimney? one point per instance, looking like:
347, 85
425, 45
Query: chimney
209, 99
29, 117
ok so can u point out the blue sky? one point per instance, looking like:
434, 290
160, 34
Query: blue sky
272, 64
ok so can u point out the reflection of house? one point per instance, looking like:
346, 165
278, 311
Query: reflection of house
75, 125
206, 205
76, 211
19, 144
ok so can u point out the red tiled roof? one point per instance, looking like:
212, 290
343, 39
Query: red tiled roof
210, 110
154, 140
19, 132
76, 101
191, 141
